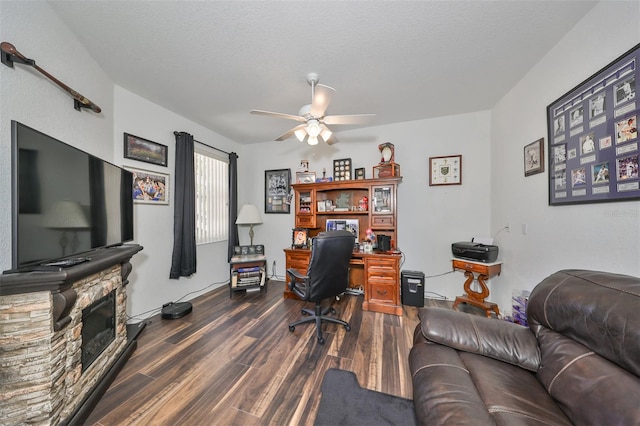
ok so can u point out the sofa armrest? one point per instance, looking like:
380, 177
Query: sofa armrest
501, 340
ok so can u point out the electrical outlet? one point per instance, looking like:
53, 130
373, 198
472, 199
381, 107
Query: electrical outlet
508, 227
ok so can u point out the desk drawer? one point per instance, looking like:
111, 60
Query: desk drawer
382, 271
382, 292
305, 221
297, 259
382, 262
378, 221
468, 266
298, 256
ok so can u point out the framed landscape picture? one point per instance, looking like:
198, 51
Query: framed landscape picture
139, 149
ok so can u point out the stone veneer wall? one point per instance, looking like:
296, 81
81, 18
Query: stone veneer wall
40, 368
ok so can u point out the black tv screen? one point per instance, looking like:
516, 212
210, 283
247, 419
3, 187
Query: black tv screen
64, 201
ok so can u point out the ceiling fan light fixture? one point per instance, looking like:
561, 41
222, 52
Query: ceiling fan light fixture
300, 134
313, 119
313, 128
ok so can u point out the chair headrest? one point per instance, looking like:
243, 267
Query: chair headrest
335, 234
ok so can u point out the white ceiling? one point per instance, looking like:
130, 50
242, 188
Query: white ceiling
214, 61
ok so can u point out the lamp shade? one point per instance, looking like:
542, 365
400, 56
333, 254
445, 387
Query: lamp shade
66, 214
249, 215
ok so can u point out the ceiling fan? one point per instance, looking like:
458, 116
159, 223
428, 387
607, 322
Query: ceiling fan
314, 121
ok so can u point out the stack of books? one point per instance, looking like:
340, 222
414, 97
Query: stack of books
249, 276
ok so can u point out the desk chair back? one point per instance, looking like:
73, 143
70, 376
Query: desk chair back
328, 270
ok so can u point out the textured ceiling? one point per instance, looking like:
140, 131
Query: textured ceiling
214, 61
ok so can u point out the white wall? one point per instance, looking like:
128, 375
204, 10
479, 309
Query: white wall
494, 190
153, 224
429, 218
592, 236
30, 98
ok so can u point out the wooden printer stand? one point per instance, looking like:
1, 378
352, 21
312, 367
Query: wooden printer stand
472, 297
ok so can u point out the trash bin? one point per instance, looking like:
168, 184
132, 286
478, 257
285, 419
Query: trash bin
412, 290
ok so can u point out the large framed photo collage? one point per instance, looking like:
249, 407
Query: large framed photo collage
593, 137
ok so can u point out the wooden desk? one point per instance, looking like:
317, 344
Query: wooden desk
472, 297
377, 274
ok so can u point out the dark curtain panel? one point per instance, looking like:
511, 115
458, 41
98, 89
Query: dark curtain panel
126, 205
233, 203
98, 206
183, 260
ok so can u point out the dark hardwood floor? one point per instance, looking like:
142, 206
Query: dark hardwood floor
233, 361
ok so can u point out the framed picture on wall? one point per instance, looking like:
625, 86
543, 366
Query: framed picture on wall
139, 149
277, 185
593, 142
149, 187
534, 158
445, 170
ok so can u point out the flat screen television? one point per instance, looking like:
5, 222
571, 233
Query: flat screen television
65, 201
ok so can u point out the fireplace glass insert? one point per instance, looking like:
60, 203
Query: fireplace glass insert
98, 328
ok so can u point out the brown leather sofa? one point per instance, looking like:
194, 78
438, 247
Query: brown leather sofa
578, 362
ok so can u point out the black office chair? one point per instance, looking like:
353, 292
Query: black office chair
327, 277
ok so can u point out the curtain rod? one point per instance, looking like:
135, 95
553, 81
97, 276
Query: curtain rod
202, 143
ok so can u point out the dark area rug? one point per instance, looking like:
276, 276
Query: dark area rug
345, 403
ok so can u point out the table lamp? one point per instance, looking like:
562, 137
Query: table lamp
249, 215
67, 216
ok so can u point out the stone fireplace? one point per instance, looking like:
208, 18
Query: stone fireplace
47, 377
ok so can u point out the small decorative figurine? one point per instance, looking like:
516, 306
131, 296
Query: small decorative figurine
363, 204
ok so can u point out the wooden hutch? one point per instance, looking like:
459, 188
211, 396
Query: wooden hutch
365, 203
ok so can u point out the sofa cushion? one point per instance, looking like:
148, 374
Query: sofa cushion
589, 388
443, 391
501, 340
460, 388
512, 396
599, 310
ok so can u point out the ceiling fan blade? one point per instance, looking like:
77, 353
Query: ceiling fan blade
278, 114
332, 140
290, 132
321, 99
348, 119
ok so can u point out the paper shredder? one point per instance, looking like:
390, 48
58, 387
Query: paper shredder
412, 288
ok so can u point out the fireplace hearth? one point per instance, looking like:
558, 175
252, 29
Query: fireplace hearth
64, 338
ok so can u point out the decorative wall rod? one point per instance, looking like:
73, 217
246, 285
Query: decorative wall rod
10, 55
